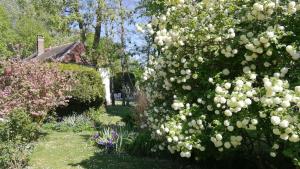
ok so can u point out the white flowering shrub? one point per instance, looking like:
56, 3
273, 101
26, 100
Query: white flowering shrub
226, 77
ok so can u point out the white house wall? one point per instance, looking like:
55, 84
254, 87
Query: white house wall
105, 75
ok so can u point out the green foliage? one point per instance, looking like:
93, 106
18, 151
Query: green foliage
96, 115
152, 7
28, 28
6, 34
136, 68
129, 79
114, 140
18, 128
107, 52
22, 20
87, 91
16, 134
89, 87
14, 156
75, 123
141, 145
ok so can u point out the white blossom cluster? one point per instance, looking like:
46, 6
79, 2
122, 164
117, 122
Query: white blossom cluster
222, 71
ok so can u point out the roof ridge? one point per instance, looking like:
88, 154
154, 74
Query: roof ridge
61, 45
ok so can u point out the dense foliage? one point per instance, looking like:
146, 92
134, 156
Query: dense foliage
226, 78
17, 131
129, 81
88, 89
35, 87
22, 20
74, 123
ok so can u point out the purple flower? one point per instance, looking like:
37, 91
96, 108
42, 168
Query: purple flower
96, 136
101, 143
114, 134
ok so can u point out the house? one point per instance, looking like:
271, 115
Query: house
105, 75
67, 53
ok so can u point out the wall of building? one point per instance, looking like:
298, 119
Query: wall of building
106, 82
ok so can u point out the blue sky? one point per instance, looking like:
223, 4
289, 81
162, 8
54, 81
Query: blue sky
131, 34
130, 30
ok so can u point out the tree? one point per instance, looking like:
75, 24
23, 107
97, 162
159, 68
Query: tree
29, 18
6, 34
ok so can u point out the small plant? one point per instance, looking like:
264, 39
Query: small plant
112, 140
96, 115
107, 139
75, 123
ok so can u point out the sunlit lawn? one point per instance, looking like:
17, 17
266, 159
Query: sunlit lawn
64, 150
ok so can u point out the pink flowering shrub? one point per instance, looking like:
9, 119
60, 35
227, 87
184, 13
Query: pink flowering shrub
33, 86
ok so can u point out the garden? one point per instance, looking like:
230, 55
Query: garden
200, 84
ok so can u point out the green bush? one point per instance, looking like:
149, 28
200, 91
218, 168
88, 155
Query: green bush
19, 128
141, 145
96, 114
16, 134
14, 156
129, 78
87, 92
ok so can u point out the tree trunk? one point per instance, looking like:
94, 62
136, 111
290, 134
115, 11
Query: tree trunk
80, 21
98, 26
82, 32
123, 60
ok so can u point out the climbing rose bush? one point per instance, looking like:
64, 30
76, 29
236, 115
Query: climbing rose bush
226, 77
33, 86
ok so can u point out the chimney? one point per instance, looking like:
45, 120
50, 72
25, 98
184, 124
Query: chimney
40, 45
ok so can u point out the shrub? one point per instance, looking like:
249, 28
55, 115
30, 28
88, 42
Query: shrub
140, 107
96, 115
221, 81
87, 92
33, 86
14, 156
75, 123
18, 128
17, 132
129, 80
142, 145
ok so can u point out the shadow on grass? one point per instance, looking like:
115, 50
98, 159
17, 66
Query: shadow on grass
102, 160
119, 110
115, 116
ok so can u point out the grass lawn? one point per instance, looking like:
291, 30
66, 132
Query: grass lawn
61, 149
70, 150
66, 150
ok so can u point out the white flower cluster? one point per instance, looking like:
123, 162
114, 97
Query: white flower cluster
241, 96
292, 7
167, 38
221, 144
222, 73
295, 55
262, 10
